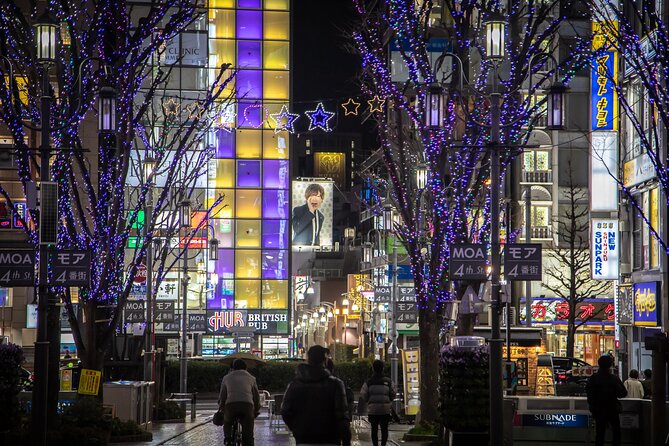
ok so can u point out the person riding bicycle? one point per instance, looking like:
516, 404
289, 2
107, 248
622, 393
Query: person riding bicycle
239, 399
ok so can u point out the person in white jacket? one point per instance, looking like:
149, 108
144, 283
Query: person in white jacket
239, 399
633, 385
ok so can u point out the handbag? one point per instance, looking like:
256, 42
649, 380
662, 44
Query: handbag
218, 418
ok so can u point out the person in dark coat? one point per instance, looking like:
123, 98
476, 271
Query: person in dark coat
647, 384
378, 394
307, 219
603, 390
314, 406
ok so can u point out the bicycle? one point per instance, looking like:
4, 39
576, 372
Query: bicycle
236, 434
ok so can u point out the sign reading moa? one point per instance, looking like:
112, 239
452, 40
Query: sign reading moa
468, 262
17, 268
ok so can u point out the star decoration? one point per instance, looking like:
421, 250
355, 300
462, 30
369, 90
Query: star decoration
376, 104
195, 110
351, 107
319, 118
284, 120
171, 107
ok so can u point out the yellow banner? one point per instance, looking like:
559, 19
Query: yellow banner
89, 382
411, 369
66, 380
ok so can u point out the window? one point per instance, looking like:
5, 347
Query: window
536, 160
541, 216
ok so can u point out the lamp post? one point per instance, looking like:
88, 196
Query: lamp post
388, 226
495, 29
185, 223
149, 354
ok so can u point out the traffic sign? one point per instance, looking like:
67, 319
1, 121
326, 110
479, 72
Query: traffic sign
17, 268
140, 275
71, 268
468, 262
522, 261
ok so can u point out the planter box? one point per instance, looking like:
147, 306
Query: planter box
146, 436
467, 438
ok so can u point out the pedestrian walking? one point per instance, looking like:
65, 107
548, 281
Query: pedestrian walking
647, 384
239, 399
633, 385
603, 390
314, 406
378, 394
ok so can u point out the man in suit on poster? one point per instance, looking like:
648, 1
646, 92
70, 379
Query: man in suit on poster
308, 219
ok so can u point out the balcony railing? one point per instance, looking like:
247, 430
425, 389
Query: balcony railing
539, 233
538, 176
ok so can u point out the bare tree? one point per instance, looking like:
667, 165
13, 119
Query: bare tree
570, 279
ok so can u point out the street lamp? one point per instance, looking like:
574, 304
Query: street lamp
46, 30
107, 107
556, 105
107, 111
495, 29
421, 176
434, 111
213, 249
185, 222
388, 226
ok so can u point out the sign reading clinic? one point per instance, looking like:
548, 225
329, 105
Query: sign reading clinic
604, 248
646, 304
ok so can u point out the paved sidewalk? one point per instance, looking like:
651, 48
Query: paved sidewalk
202, 432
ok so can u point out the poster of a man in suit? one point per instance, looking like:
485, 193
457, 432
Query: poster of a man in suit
312, 214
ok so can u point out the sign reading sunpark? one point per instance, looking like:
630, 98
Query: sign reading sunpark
89, 382
604, 248
646, 304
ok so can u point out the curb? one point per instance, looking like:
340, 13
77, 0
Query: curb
195, 426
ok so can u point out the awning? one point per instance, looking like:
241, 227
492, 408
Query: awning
520, 336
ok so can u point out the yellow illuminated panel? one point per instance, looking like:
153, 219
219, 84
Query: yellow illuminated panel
275, 84
225, 173
221, 51
248, 234
272, 108
275, 145
247, 264
247, 294
277, 4
249, 143
249, 203
276, 55
276, 26
221, 3
226, 207
223, 21
275, 294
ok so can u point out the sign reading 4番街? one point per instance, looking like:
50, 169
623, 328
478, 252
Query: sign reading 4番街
89, 382
522, 261
71, 268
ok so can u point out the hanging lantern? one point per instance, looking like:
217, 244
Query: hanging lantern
434, 106
184, 214
421, 176
388, 215
107, 110
555, 107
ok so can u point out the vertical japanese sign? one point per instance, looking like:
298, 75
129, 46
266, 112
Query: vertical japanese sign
89, 382
411, 369
604, 248
604, 119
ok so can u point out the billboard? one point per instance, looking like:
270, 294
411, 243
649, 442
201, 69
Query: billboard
331, 165
603, 171
311, 217
646, 304
555, 310
604, 248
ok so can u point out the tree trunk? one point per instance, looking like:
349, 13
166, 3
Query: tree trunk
428, 324
571, 334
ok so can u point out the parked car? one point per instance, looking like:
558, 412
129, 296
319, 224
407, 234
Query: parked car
568, 379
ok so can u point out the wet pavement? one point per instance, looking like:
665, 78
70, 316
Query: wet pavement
202, 432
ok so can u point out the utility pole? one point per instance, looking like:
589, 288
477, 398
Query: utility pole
148, 333
528, 239
183, 360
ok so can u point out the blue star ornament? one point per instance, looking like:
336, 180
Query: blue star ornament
284, 120
320, 118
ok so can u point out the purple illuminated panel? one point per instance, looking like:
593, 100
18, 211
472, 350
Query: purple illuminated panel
275, 174
225, 265
249, 25
248, 4
248, 173
275, 264
223, 296
275, 234
248, 54
225, 144
250, 114
275, 203
249, 84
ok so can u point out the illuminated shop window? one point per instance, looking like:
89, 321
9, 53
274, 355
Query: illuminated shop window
222, 23
225, 173
226, 206
275, 294
275, 85
247, 294
248, 173
276, 26
276, 55
248, 234
274, 264
247, 264
249, 203
275, 234
275, 174
275, 145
